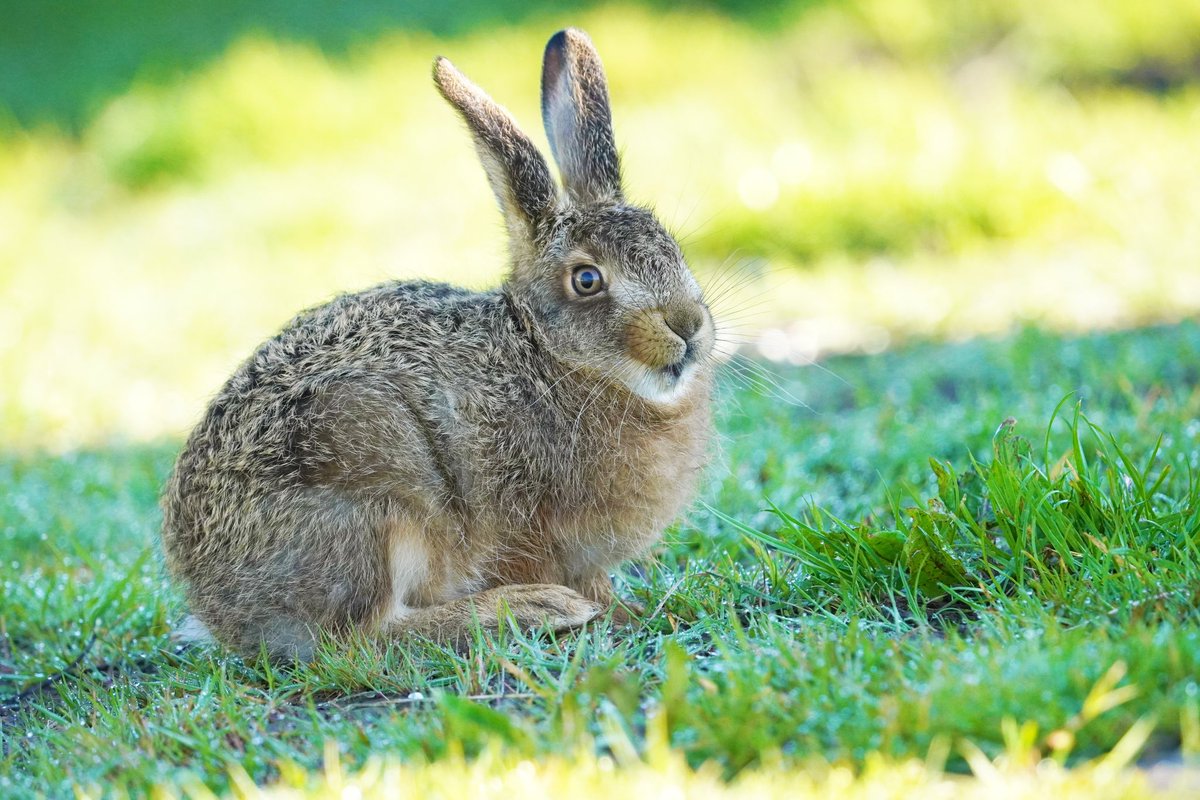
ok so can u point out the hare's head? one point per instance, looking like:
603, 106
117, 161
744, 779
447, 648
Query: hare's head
605, 285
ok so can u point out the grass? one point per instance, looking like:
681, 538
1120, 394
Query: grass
600, 777
1062, 618
1013, 526
889, 588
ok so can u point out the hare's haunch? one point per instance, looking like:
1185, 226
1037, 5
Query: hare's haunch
419, 458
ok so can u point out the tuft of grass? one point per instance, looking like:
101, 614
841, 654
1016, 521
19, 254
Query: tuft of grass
1091, 529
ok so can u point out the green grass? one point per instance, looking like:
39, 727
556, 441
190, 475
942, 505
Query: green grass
769, 647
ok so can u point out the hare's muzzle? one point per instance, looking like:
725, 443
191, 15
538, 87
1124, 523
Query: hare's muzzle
661, 339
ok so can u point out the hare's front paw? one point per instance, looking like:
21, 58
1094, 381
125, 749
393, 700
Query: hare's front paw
556, 607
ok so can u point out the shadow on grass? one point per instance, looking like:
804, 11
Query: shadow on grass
86, 504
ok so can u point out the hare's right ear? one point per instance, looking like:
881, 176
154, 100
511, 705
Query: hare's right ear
578, 120
517, 172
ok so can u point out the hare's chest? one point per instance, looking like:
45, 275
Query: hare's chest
628, 494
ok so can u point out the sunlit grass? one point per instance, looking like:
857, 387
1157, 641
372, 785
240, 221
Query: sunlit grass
587, 777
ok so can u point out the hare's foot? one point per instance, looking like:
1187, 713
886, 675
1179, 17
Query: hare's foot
599, 589
532, 606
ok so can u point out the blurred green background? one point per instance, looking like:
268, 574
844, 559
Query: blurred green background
176, 180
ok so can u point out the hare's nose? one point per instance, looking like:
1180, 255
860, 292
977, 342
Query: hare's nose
684, 322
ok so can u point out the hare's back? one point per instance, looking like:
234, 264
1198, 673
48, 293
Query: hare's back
395, 340
381, 330
361, 329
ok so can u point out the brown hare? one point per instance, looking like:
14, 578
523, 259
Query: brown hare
418, 458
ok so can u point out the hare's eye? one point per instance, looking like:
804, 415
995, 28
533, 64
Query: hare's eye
586, 280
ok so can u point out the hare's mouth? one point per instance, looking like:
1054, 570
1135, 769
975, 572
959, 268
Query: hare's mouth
661, 385
691, 355
675, 369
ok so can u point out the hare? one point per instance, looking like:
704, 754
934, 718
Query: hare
421, 459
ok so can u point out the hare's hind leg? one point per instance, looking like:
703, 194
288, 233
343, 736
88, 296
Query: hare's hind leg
298, 565
531, 605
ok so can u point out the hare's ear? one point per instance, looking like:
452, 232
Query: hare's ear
578, 120
516, 170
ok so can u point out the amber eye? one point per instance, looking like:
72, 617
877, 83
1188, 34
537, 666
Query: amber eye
586, 280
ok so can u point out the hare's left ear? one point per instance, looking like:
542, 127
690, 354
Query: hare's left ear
519, 176
578, 121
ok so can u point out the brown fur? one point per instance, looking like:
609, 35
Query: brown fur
473, 451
